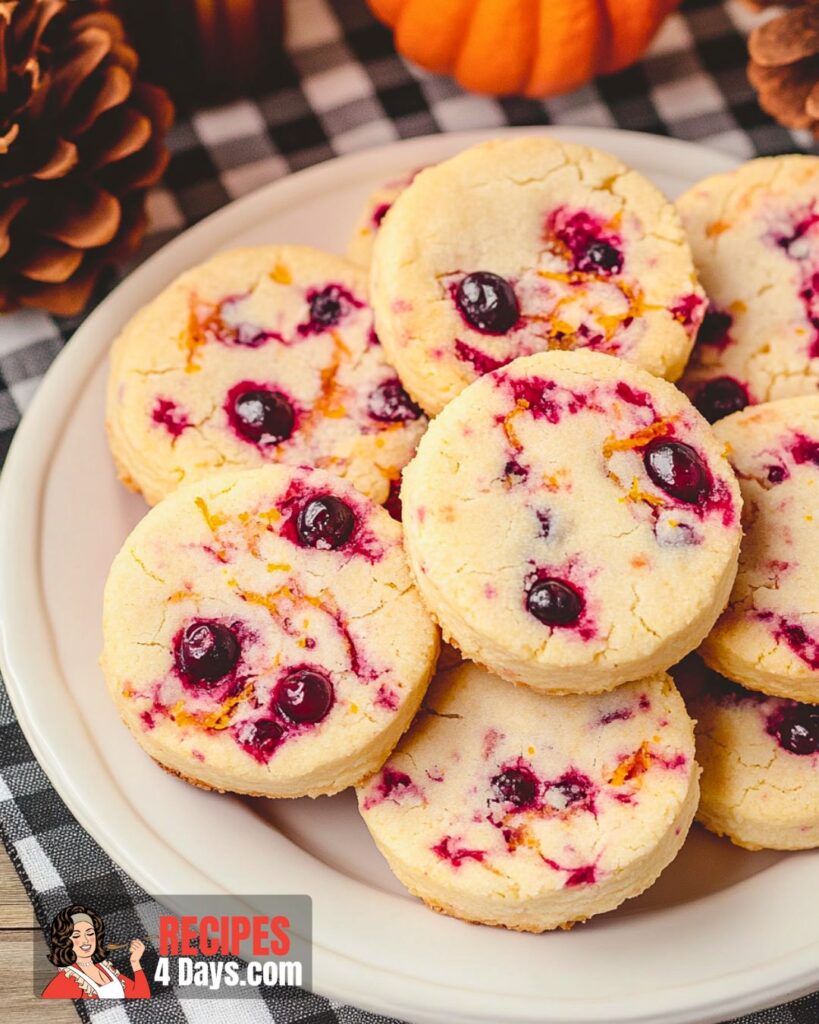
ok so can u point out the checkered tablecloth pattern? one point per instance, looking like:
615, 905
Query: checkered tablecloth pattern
340, 87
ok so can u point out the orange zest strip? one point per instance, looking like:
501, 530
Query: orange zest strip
267, 601
291, 594
271, 601
632, 766
508, 428
716, 228
551, 482
213, 521
339, 343
609, 322
272, 515
525, 837
281, 275
562, 327
195, 336
253, 529
564, 276
635, 494
659, 428
328, 404
219, 719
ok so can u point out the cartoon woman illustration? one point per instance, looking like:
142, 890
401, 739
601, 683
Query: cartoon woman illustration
78, 950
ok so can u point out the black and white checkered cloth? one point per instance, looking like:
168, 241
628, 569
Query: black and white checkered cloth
340, 88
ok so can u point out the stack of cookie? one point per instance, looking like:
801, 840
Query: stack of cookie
755, 374
571, 522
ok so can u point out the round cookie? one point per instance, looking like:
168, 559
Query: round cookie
522, 245
258, 356
760, 762
513, 808
754, 233
572, 522
362, 240
768, 637
262, 633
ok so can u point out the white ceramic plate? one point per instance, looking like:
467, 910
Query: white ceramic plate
722, 932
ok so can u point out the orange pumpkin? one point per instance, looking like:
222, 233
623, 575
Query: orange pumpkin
534, 47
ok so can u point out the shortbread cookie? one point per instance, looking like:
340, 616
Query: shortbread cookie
760, 761
768, 637
513, 808
572, 522
754, 233
258, 356
263, 635
522, 245
362, 241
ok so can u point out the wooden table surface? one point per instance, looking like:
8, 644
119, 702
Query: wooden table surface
19, 935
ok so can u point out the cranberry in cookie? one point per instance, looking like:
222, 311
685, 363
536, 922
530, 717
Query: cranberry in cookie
754, 233
768, 637
572, 522
523, 245
262, 633
258, 356
760, 762
509, 807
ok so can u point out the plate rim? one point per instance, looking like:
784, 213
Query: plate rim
26, 473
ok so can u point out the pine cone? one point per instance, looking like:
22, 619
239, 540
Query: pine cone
80, 142
784, 66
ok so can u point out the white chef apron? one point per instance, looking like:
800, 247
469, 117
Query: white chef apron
110, 990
